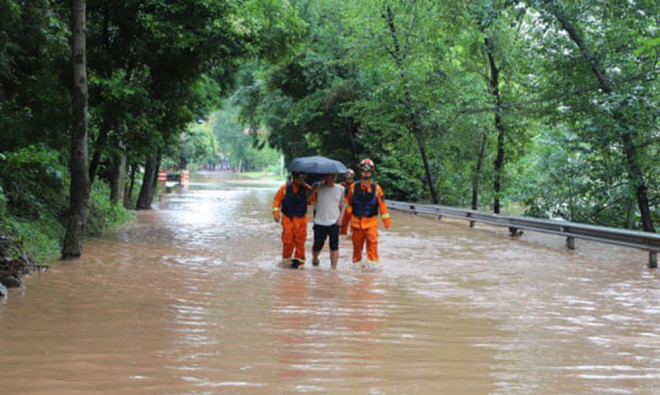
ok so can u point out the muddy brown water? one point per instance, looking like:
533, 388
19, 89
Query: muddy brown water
188, 300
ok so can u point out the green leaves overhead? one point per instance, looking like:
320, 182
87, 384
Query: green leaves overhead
379, 78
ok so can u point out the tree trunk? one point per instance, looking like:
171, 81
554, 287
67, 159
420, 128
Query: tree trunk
80, 182
148, 184
477, 170
118, 175
627, 135
499, 166
630, 214
494, 88
99, 147
399, 55
128, 193
421, 143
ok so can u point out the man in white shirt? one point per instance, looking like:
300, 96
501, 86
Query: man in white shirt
329, 211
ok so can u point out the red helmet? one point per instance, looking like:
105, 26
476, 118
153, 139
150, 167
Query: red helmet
349, 174
367, 165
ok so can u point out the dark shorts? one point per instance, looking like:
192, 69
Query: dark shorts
321, 232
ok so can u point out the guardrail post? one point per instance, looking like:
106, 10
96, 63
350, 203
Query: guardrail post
570, 242
653, 260
440, 217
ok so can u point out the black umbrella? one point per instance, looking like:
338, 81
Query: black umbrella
317, 164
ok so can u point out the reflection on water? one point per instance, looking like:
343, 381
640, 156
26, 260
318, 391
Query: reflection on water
188, 299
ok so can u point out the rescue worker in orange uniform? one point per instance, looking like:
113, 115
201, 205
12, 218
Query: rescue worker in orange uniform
365, 200
290, 209
347, 183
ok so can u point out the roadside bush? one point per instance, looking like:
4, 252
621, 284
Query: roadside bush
34, 182
34, 191
39, 238
102, 213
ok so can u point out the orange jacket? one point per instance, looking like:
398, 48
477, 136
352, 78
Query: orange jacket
279, 196
347, 190
368, 222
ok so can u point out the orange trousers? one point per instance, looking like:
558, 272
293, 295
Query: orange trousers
294, 235
370, 235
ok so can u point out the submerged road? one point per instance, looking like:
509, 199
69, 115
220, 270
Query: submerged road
189, 299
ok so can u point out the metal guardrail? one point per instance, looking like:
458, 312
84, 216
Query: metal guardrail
628, 238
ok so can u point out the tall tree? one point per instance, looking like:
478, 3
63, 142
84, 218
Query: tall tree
494, 88
399, 53
403, 50
79, 166
303, 102
622, 114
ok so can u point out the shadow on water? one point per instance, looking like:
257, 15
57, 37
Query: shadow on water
189, 299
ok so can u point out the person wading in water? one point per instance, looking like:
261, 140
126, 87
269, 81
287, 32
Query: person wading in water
290, 209
365, 200
328, 213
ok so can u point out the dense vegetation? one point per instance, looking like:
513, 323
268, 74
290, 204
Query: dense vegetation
550, 104
146, 70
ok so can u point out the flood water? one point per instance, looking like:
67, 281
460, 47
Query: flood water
188, 299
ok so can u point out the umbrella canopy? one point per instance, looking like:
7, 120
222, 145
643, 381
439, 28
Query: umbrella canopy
317, 164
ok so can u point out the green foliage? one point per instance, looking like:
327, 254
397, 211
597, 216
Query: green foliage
364, 78
101, 213
567, 179
4, 209
156, 66
34, 182
302, 102
198, 146
39, 237
397, 183
242, 146
33, 201
34, 99
612, 114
